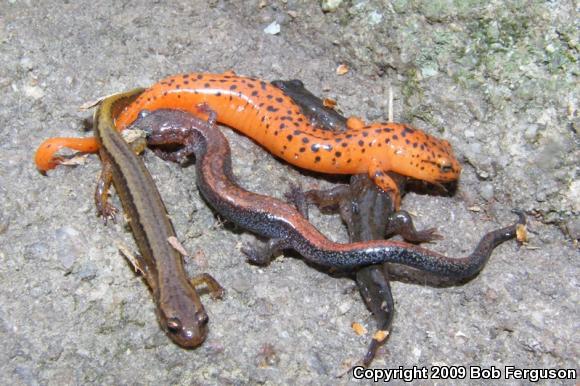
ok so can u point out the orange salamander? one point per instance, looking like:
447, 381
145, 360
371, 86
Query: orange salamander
265, 114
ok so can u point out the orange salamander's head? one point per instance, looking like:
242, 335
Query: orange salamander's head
413, 153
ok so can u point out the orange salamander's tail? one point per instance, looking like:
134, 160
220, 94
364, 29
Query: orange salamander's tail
45, 158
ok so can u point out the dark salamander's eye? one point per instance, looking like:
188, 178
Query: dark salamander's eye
446, 168
173, 325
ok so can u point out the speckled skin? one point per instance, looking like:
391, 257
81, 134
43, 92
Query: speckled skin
274, 219
264, 113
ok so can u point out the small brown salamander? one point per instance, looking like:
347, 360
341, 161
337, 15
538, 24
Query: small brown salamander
179, 309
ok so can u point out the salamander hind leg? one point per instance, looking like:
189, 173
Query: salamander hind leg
104, 207
379, 175
262, 255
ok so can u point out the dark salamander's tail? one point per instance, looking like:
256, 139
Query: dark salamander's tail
316, 248
494, 238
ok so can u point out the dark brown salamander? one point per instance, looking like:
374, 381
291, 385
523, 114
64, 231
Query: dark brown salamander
282, 223
368, 212
179, 309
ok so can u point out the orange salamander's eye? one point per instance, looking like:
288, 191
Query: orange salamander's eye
446, 168
444, 165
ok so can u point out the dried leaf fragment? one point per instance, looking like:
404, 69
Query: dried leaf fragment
329, 103
359, 329
380, 335
521, 233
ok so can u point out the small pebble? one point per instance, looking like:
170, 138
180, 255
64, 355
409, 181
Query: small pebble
69, 246
375, 18
330, 5
26, 63
37, 250
573, 226
486, 190
34, 92
344, 307
273, 28
4, 223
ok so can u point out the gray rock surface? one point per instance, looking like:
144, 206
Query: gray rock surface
498, 81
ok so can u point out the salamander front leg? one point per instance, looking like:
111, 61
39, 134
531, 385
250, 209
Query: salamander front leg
178, 156
297, 197
401, 223
216, 291
326, 200
210, 114
354, 123
262, 255
380, 177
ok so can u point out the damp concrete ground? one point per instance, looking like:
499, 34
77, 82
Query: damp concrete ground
498, 81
